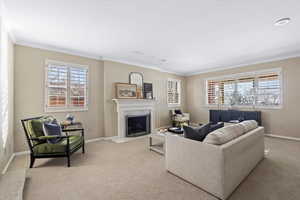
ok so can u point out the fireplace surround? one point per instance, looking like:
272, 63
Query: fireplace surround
133, 107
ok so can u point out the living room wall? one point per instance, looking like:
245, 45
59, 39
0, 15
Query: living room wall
118, 72
29, 91
284, 121
100, 119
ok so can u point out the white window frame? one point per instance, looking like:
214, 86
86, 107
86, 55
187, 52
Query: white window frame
66, 108
244, 75
179, 99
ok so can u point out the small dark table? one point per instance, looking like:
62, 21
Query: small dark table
71, 126
176, 130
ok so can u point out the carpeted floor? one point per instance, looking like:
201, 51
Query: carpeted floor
129, 171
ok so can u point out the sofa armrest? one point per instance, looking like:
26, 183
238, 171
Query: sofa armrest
199, 163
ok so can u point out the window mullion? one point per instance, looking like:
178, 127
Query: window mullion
68, 87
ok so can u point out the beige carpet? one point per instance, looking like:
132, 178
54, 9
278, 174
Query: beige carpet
129, 171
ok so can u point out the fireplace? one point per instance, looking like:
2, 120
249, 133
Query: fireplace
137, 125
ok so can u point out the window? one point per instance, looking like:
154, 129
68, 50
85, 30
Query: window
66, 87
260, 88
174, 88
5, 77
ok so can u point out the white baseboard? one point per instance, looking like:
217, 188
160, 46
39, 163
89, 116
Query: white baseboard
8, 163
99, 139
20, 153
283, 137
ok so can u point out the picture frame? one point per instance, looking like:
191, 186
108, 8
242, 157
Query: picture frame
138, 79
126, 91
148, 91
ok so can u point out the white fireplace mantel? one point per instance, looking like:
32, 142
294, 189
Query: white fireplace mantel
126, 107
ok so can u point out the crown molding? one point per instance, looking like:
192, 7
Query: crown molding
57, 49
97, 57
296, 55
86, 55
140, 65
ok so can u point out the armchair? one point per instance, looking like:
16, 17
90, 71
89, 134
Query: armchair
179, 118
40, 148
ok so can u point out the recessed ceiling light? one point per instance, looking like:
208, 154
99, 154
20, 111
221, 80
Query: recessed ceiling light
282, 21
138, 52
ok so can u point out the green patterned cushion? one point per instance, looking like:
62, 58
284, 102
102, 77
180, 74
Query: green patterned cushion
37, 125
58, 148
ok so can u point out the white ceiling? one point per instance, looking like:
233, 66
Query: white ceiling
191, 35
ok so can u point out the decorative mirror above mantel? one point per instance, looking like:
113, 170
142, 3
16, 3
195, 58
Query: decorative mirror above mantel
137, 78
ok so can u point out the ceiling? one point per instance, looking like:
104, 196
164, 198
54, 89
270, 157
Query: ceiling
181, 36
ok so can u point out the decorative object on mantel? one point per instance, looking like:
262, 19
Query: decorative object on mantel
148, 91
126, 91
137, 78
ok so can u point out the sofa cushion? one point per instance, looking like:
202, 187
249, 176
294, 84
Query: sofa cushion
58, 148
196, 133
249, 125
224, 135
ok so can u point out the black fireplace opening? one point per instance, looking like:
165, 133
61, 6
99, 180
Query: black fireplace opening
137, 125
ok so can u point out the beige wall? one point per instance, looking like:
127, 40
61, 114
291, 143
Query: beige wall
100, 119
29, 91
283, 121
117, 72
7, 149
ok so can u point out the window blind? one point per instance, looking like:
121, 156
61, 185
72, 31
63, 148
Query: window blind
66, 87
250, 89
212, 92
78, 86
57, 79
245, 91
173, 96
268, 90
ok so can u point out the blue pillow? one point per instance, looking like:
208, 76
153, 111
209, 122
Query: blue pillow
52, 128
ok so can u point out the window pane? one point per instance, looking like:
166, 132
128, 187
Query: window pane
173, 90
78, 86
245, 94
268, 93
57, 97
227, 88
213, 92
57, 75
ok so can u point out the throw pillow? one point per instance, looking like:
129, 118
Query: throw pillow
52, 128
178, 112
214, 127
196, 133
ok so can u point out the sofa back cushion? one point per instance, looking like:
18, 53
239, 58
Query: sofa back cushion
224, 135
249, 125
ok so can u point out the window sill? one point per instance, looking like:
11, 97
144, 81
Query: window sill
174, 105
57, 110
245, 107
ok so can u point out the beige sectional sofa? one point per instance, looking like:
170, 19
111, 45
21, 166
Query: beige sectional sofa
219, 163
